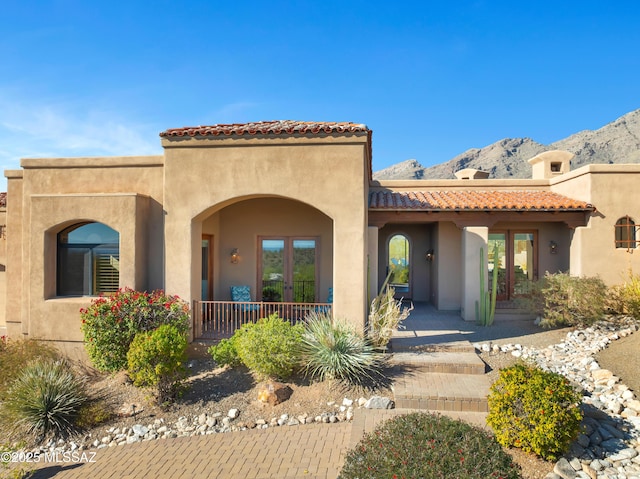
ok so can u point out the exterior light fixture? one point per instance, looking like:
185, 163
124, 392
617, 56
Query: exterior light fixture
235, 255
553, 247
430, 255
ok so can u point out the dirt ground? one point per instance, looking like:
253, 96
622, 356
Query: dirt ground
623, 358
213, 389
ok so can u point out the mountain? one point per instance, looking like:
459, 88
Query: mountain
616, 142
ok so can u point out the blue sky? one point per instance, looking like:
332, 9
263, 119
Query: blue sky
431, 79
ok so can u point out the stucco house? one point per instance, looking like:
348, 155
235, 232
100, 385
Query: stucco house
290, 210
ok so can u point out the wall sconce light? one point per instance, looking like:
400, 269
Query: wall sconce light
430, 255
235, 255
553, 247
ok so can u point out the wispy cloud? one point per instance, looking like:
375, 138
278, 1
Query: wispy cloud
55, 130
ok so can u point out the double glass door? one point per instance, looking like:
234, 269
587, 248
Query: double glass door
513, 256
288, 269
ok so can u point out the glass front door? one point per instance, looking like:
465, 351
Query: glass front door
288, 269
513, 255
399, 265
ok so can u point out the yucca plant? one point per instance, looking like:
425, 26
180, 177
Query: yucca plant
332, 349
45, 399
386, 315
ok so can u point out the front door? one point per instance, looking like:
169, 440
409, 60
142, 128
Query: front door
399, 265
514, 255
288, 269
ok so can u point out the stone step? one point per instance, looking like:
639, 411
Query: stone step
442, 392
441, 362
450, 347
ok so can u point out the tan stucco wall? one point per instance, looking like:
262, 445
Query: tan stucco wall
204, 175
51, 194
612, 190
447, 278
3, 265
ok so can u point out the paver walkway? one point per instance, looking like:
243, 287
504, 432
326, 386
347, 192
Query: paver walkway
309, 451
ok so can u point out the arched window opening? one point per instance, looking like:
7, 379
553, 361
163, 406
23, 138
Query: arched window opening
399, 264
626, 233
88, 260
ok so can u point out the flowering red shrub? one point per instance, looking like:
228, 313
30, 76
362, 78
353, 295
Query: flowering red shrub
111, 322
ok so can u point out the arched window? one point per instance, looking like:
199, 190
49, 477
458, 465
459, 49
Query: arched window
88, 260
399, 265
625, 233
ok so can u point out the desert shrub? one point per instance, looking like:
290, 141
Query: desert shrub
94, 412
428, 446
225, 352
45, 399
535, 410
385, 316
567, 300
157, 358
15, 354
332, 349
625, 298
270, 347
111, 322
9, 469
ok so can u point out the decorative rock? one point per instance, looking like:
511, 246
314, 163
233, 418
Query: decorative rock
624, 454
379, 402
347, 402
274, 393
564, 469
576, 464
233, 413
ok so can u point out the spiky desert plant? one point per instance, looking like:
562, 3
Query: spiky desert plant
46, 398
332, 349
386, 316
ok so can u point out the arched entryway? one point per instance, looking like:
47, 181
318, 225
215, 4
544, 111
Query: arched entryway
276, 251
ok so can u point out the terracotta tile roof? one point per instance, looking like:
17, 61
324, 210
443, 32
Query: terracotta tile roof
280, 127
3, 199
523, 200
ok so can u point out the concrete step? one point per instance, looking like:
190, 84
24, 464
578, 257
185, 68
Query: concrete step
449, 347
442, 391
441, 362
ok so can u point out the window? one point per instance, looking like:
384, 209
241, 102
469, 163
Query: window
399, 265
88, 260
625, 233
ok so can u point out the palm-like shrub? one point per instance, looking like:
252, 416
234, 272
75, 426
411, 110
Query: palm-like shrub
332, 349
428, 446
45, 399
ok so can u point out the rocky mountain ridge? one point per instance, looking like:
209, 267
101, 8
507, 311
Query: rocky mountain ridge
616, 142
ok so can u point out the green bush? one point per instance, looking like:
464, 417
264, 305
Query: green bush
270, 347
537, 411
225, 352
111, 322
45, 399
564, 300
157, 358
332, 349
15, 354
428, 446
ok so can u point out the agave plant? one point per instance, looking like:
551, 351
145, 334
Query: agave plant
45, 399
332, 349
